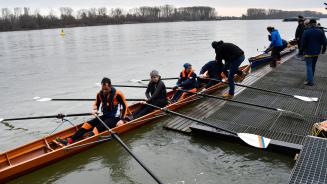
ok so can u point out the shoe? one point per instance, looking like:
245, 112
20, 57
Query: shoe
64, 141
227, 95
89, 134
308, 83
240, 78
273, 65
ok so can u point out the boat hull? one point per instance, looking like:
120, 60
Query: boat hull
45, 151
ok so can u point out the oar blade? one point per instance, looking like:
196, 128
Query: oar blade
254, 140
307, 99
1, 119
44, 99
36, 98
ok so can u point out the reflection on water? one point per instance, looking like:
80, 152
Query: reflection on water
42, 63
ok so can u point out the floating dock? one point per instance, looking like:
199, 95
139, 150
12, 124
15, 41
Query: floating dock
311, 166
290, 132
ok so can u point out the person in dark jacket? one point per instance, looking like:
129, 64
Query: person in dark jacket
276, 46
187, 81
299, 32
212, 70
233, 57
155, 93
313, 43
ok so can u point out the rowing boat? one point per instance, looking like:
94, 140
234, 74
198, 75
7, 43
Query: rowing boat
47, 150
263, 59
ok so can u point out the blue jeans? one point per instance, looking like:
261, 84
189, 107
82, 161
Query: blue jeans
232, 71
311, 67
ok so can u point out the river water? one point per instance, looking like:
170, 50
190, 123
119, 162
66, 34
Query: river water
42, 63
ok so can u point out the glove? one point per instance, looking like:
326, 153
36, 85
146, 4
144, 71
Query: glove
60, 116
94, 112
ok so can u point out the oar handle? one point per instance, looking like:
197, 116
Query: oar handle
190, 118
115, 136
44, 117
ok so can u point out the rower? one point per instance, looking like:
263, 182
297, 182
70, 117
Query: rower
155, 93
110, 99
187, 81
213, 70
233, 57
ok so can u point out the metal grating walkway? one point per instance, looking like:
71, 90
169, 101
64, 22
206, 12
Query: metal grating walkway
286, 127
206, 107
311, 166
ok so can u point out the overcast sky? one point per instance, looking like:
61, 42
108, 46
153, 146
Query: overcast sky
224, 7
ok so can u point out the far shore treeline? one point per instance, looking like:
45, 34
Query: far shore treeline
26, 19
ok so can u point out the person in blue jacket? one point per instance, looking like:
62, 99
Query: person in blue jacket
313, 43
187, 81
285, 44
276, 46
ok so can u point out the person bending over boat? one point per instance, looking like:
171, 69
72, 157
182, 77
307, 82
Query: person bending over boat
233, 57
155, 93
187, 81
276, 46
284, 46
109, 99
212, 70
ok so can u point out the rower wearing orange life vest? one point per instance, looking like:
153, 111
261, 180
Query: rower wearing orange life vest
109, 99
187, 81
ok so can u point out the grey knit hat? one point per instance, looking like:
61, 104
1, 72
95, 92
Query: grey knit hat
154, 73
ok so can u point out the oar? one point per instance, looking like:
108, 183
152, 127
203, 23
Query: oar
303, 98
251, 139
39, 99
115, 136
240, 102
128, 86
43, 117
171, 78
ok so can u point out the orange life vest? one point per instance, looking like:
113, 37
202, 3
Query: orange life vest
184, 73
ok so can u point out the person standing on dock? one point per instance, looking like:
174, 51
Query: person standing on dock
233, 57
276, 46
109, 99
299, 32
313, 43
155, 93
187, 81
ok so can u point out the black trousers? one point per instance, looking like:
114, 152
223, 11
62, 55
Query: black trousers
275, 55
109, 121
145, 109
95, 123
